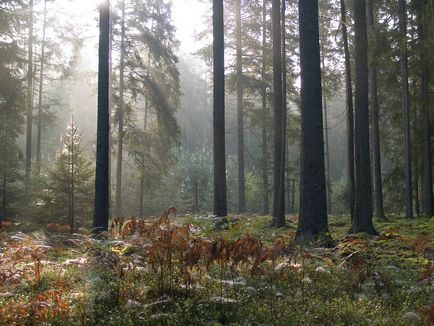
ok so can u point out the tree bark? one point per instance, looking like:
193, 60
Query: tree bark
362, 220
278, 208
41, 83
240, 113
281, 207
326, 143
376, 153
265, 197
405, 109
120, 114
313, 200
102, 178
350, 111
220, 204
29, 111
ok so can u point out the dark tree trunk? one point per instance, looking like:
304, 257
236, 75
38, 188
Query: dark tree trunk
427, 163
428, 207
142, 193
416, 164
41, 83
120, 114
405, 109
278, 206
29, 111
376, 153
293, 197
281, 207
265, 197
362, 220
220, 205
326, 143
350, 111
102, 177
313, 200
240, 128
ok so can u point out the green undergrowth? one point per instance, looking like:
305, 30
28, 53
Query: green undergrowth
218, 273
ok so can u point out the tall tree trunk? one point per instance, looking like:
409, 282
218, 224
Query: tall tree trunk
378, 188
350, 111
281, 207
427, 163
240, 128
278, 209
416, 164
405, 109
313, 198
142, 177
41, 83
287, 179
362, 220
265, 197
29, 112
220, 205
428, 207
326, 143
72, 169
120, 114
102, 177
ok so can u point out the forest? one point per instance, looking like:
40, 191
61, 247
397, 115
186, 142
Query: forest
210, 162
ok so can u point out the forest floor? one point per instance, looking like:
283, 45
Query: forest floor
191, 270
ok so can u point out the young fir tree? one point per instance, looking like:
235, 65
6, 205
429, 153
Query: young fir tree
70, 180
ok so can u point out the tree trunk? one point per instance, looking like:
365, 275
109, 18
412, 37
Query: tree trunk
362, 220
240, 128
142, 192
378, 188
326, 143
278, 208
102, 178
72, 169
405, 109
427, 176
29, 112
196, 195
281, 207
313, 197
416, 164
220, 205
4, 190
120, 114
41, 82
428, 208
293, 198
350, 111
265, 197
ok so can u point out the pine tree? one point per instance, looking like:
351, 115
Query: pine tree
220, 204
313, 202
70, 180
12, 102
102, 172
362, 220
